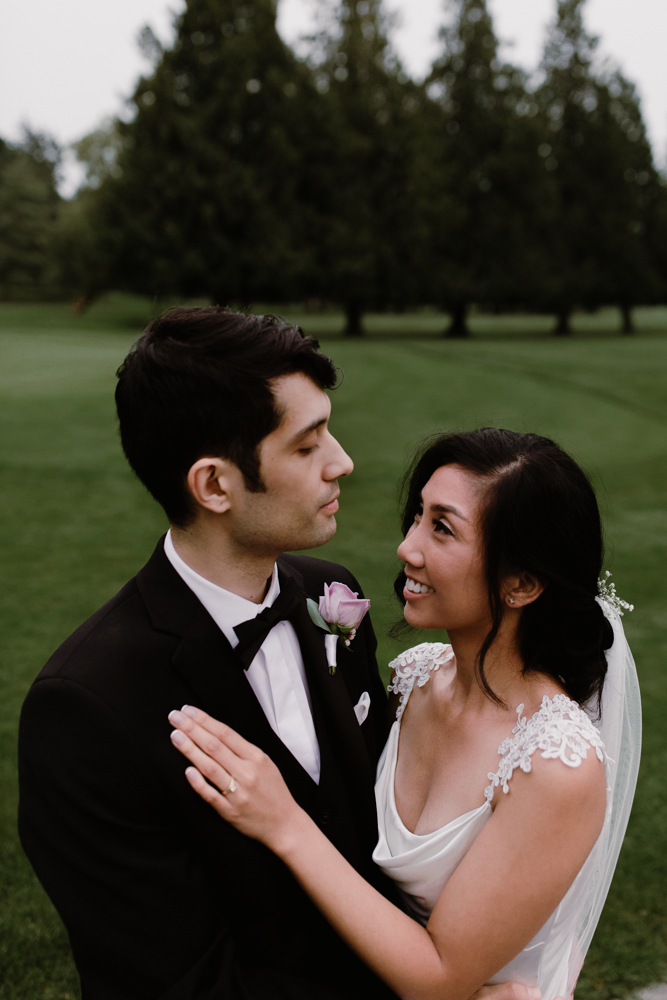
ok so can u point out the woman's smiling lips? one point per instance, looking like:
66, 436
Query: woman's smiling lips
413, 589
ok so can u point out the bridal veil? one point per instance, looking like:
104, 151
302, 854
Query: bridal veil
620, 726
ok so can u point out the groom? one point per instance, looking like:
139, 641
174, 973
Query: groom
224, 419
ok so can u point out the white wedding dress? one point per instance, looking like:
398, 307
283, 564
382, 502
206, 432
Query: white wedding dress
421, 864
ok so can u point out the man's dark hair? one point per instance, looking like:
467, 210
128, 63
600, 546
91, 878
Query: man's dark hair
539, 515
197, 383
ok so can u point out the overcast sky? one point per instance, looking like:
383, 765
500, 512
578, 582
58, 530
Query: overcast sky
66, 64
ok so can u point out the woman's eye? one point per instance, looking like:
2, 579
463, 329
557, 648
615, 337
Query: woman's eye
442, 528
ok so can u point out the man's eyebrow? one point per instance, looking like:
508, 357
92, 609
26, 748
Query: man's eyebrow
308, 430
442, 508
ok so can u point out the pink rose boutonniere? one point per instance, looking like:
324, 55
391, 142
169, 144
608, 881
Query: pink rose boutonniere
340, 613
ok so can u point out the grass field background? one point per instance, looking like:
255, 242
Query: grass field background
76, 525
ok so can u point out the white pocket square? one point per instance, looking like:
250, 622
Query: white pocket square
362, 706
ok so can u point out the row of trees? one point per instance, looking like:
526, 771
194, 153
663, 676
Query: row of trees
248, 174
29, 215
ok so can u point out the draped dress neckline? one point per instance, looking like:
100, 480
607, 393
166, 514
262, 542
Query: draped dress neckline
391, 789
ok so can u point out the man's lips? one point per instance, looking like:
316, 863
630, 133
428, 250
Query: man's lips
414, 589
332, 506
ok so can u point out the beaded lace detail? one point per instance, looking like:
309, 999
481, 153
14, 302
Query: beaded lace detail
414, 666
560, 728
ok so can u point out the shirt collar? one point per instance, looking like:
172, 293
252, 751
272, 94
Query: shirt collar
225, 608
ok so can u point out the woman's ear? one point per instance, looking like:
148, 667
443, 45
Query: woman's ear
212, 481
521, 590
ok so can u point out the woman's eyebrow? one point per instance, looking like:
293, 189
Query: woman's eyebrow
442, 508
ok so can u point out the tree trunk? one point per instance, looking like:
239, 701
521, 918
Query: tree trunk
354, 313
459, 324
563, 328
83, 303
628, 326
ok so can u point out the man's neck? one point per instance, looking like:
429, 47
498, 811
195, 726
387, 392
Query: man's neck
219, 560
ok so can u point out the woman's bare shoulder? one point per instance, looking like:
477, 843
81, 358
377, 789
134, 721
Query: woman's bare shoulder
557, 755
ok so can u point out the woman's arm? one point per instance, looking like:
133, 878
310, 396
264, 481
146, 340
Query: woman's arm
513, 877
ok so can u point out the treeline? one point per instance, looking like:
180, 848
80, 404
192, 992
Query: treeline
29, 215
248, 174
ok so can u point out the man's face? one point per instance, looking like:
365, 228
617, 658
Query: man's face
300, 464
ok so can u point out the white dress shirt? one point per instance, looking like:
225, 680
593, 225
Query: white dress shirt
277, 674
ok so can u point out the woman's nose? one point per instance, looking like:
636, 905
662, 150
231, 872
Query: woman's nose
410, 552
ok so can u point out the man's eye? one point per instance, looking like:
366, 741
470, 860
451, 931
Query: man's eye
442, 528
307, 451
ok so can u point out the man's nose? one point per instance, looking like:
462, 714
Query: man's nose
339, 464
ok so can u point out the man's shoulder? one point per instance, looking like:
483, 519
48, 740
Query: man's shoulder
109, 626
141, 622
316, 572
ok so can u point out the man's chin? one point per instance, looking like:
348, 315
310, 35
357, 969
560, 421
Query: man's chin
318, 535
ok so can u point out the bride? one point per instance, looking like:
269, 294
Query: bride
504, 790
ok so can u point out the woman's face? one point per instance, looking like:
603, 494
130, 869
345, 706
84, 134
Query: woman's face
444, 557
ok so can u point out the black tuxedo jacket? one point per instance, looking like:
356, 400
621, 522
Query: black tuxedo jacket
161, 898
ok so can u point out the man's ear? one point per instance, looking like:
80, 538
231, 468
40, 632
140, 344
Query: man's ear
521, 590
212, 483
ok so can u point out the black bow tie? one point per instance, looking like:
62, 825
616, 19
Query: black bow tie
251, 634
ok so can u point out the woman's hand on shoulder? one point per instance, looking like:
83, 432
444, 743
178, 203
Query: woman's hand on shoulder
239, 780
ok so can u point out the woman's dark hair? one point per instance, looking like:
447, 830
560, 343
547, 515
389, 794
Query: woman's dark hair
196, 383
539, 515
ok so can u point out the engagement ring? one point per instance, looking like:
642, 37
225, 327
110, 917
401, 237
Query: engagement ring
230, 788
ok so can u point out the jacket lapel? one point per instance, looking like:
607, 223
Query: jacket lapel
207, 664
333, 708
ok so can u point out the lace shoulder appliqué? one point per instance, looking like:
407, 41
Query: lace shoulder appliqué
559, 729
414, 666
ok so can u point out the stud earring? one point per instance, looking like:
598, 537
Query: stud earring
511, 600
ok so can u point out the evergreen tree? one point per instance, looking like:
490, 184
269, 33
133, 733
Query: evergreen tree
366, 255
83, 267
604, 180
635, 253
28, 208
99, 152
487, 198
80, 267
209, 193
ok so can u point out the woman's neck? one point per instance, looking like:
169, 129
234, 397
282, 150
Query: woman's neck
503, 670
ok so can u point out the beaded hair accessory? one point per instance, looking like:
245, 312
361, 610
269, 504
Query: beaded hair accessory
607, 592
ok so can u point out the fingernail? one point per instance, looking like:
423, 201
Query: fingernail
189, 710
178, 737
176, 718
190, 773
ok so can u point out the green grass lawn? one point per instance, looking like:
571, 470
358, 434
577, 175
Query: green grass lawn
76, 525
